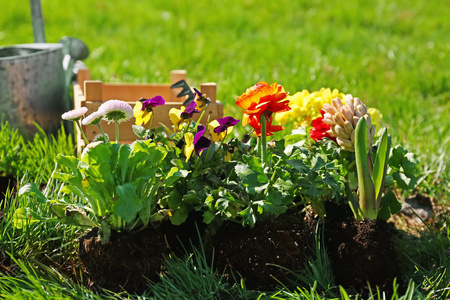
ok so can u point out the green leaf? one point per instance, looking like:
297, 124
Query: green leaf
72, 215
30, 189
389, 206
381, 163
404, 181
174, 199
157, 155
128, 204
208, 217
252, 175
175, 174
139, 131
367, 200
123, 161
180, 215
68, 161
191, 197
23, 217
318, 162
248, 216
299, 165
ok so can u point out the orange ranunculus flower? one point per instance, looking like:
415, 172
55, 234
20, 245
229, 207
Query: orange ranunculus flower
263, 98
255, 122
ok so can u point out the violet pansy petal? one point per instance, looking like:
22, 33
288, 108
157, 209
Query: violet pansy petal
229, 121
190, 108
201, 144
200, 131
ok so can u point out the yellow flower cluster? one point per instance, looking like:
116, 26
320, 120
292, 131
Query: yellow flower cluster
306, 106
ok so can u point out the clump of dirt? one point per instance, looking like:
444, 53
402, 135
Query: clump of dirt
126, 261
361, 252
263, 254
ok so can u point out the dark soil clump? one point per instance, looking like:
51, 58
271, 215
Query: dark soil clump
263, 254
361, 252
126, 261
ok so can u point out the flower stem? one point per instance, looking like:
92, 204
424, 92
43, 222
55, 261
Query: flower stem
203, 112
263, 139
101, 130
117, 129
82, 133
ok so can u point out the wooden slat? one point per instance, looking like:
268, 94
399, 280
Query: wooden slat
132, 92
93, 90
210, 90
82, 76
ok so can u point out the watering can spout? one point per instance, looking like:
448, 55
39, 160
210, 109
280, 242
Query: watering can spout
38, 21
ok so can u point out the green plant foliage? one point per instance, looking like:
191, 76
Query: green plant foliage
118, 184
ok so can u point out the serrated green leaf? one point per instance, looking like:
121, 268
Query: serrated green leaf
299, 165
253, 180
404, 181
274, 209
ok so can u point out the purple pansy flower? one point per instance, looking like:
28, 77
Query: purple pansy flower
189, 110
225, 123
200, 142
152, 102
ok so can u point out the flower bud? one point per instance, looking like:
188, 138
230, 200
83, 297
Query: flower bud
338, 119
337, 103
345, 143
340, 131
347, 113
348, 127
329, 109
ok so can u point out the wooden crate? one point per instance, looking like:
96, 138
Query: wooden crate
92, 93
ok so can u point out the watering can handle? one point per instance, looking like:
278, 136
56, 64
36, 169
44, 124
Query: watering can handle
38, 21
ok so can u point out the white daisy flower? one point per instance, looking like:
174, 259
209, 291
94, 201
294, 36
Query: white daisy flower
93, 119
74, 114
116, 111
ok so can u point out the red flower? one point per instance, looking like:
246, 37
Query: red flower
319, 130
263, 98
255, 122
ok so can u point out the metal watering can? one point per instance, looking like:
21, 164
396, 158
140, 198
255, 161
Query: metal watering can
35, 79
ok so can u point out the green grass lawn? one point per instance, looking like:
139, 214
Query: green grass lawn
394, 55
